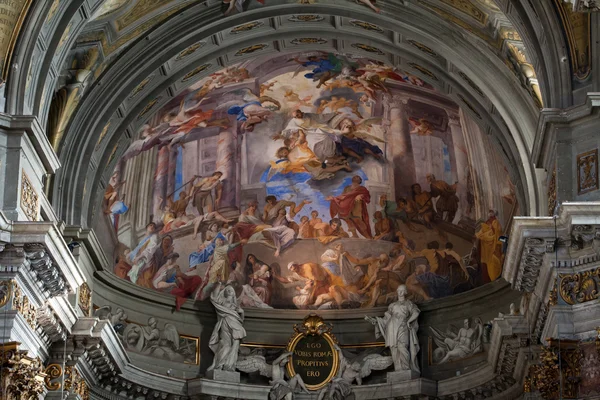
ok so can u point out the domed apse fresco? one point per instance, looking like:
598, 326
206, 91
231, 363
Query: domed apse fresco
323, 181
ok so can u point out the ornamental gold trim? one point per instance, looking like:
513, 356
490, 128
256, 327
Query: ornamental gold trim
314, 325
579, 288
30, 201
53, 371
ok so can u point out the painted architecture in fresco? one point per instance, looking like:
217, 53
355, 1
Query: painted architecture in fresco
320, 182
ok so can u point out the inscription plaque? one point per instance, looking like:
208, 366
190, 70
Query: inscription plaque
12, 15
314, 356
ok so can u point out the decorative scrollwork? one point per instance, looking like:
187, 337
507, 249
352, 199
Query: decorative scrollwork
85, 299
24, 307
24, 376
313, 324
581, 287
53, 371
546, 374
5, 292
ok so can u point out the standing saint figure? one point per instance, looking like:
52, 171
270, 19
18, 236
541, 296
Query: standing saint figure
229, 330
351, 206
399, 329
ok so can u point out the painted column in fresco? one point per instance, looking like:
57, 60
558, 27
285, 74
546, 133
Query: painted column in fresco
401, 145
226, 163
161, 176
462, 160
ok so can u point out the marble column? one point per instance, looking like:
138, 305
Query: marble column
226, 163
461, 159
399, 142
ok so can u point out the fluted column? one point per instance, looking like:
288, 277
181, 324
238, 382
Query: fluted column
400, 152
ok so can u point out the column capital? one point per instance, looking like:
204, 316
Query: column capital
395, 99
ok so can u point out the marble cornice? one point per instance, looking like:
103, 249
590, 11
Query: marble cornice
552, 120
40, 237
30, 125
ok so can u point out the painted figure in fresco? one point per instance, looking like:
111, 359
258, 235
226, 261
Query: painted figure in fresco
328, 232
281, 232
149, 137
339, 104
399, 329
227, 6
249, 223
420, 127
122, 267
229, 330
205, 251
273, 206
208, 217
159, 258
447, 202
326, 66
351, 206
170, 219
260, 277
219, 264
143, 252
370, 4
400, 211
308, 271
112, 204
305, 230
377, 283
352, 141
169, 278
251, 110
383, 227
203, 192
424, 205
491, 248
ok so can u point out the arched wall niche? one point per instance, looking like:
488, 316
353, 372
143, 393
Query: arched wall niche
140, 105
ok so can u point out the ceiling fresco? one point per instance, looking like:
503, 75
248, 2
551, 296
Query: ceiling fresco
322, 182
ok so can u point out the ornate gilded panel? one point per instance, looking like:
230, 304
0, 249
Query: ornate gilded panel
587, 172
29, 198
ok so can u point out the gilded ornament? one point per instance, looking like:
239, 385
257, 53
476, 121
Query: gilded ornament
251, 49
367, 48
580, 287
552, 193
598, 340
546, 374
553, 298
366, 26
422, 47
190, 50
74, 383
587, 172
246, 27
306, 18
53, 371
313, 324
577, 29
23, 307
29, 198
299, 41
85, 299
148, 107
6, 289
423, 70
23, 377
469, 105
471, 83
195, 72
140, 87
102, 135
112, 155
466, 7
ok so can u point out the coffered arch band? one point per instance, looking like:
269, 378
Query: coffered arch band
76, 186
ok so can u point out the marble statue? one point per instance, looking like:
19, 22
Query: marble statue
229, 330
399, 329
280, 388
455, 343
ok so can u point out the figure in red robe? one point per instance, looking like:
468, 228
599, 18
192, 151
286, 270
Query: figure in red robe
351, 206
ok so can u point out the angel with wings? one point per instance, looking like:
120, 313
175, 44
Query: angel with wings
420, 126
251, 110
150, 340
353, 141
280, 388
349, 372
455, 344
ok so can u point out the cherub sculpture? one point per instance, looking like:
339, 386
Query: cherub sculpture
280, 388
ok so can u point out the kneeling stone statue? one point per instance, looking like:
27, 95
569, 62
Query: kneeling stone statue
399, 329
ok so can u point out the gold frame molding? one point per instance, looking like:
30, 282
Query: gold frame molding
314, 325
